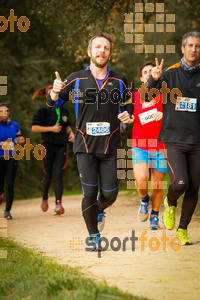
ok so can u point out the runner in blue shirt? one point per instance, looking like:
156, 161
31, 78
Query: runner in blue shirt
10, 135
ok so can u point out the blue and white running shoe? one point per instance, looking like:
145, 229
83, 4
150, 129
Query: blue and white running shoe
143, 212
101, 221
93, 242
154, 222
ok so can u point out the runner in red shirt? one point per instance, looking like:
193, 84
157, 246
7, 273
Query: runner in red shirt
147, 152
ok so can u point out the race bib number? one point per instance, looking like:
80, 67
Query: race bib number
98, 128
147, 116
186, 104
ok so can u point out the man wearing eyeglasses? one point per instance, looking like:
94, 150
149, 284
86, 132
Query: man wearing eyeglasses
9, 136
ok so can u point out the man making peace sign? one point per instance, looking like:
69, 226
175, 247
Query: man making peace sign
180, 131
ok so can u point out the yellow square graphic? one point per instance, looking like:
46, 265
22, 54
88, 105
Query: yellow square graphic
128, 18
139, 28
130, 185
141, 161
170, 17
3, 222
162, 185
128, 38
142, 142
128, 27
139, 38
74, 94
129, 164
154, 184
3, 253
121, 153
170, 48
132, 143
160, 28
149, 48
3, 79
150, 185
149, 7
160, 7
138, 18
129, 142
149, 28
152, 143
138, 7
142, 185
138, 49
130, 174
160, 18
3, 232
133, 153
121, 164
3, 90
121, 174
160, 49
170, 28
129, 153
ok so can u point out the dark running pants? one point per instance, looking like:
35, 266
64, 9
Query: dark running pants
93, 168
8, 171
184, 172
55, 155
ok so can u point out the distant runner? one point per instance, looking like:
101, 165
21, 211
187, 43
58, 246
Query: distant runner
147, 153
56, 132
10, 135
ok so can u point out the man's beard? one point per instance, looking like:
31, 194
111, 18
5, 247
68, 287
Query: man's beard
99, 65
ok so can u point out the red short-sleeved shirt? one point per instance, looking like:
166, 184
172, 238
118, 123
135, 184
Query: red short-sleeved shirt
145, 129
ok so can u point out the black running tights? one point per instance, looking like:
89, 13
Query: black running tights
184, 172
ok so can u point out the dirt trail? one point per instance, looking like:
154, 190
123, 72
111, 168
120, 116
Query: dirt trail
153, 274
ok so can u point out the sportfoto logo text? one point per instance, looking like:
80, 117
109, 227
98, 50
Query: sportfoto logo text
116, 244
23, 22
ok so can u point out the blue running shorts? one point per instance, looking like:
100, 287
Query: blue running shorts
155, 159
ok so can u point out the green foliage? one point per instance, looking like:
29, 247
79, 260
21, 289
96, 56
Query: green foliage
26, 275
29, 60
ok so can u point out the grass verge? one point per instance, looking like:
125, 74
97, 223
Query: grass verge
27, 275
